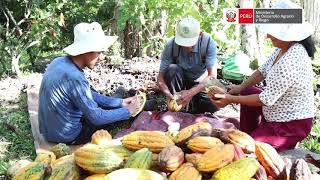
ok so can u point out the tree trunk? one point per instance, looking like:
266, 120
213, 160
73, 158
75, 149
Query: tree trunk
132, 42
312, 15
248, 35
15, 64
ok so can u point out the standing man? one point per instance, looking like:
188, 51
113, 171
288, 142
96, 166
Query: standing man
69, 110
187, 63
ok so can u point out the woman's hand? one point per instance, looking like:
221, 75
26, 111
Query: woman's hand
235, 89
221, 100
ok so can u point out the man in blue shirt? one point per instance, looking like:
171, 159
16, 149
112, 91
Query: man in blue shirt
184, 77
69, 110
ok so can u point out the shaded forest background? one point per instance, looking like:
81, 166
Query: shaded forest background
32, 32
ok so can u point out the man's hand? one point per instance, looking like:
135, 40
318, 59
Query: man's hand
221, 100
127, 101
134, 105
184, 97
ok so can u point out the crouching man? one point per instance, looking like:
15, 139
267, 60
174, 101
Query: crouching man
70, 111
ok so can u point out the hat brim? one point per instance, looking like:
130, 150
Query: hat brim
186, 42
98, 46
288, 32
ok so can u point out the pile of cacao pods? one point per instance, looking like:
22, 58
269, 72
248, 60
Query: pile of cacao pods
192, 153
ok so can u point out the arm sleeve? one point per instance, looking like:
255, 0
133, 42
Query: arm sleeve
106, 101
166, 57
82, 98
211, 56
283, 76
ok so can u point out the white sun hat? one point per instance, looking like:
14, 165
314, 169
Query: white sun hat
187, 32
89, 37
288, 32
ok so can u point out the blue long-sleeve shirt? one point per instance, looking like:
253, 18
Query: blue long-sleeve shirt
65, 97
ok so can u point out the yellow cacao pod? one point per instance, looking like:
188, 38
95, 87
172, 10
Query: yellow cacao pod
193, 158
46, 157
174, 106
270, 159
239, 138
97, 159
202, 144
34, 170
242, 169
186, 172
134, 174
153, 140
101, 137
216, 158
96, 177
201, 129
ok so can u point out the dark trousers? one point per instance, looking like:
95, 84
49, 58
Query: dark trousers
86, 132
177, 81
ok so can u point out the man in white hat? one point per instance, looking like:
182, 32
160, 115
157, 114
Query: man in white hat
281, 114
187, 63
69, 110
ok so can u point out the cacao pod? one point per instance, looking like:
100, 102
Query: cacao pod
68, 159
216, 158
34, 170
155, 160
201, 129
242, 139
261, 174
119, 150
97, 177
101, 137
186, 172
68, 171
153, 140
242, 169
60, 150
202, 144
134, 174
14, 168
96, 159
270, 159
170, 158
193, 158
238, 153
300, 170
140, 159
173, 105
46, 157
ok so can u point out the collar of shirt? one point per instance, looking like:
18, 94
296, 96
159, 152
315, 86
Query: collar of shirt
196, 48
69, 57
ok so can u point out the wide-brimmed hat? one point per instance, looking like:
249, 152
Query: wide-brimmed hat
89, 37
187, 32
288, 32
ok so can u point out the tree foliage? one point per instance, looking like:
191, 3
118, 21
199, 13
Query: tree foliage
33, 30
